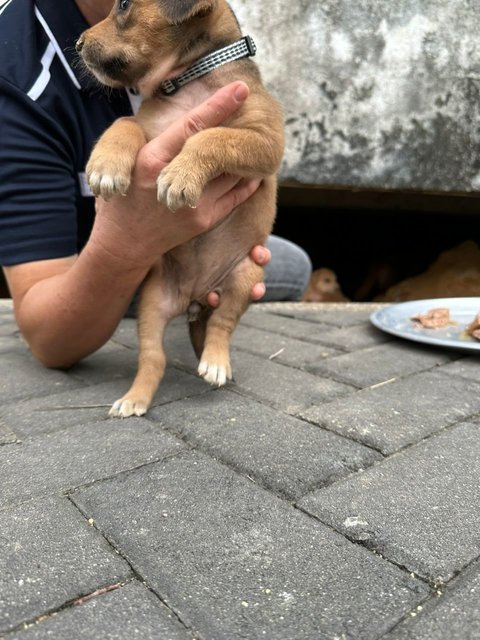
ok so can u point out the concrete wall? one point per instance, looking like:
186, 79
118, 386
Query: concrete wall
377, 94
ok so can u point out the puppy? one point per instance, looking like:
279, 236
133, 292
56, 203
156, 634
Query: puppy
323, 287
455, 273
143, 44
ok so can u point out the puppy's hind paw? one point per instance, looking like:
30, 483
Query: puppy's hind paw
126, 407
216, 375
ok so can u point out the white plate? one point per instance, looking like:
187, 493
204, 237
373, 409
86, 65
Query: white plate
396, 319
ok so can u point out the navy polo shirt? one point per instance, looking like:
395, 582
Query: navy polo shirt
51, 113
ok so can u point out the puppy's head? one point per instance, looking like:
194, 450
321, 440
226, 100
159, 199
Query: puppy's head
144, 41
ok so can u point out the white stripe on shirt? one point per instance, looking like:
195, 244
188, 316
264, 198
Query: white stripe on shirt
5, 4
44, 78
58, 51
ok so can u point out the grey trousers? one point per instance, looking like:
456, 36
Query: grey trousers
288, 272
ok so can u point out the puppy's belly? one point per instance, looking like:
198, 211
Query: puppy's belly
198, 273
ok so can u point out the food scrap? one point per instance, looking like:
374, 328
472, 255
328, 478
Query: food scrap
434, 318
473, 329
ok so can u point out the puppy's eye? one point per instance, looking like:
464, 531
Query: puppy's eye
123, 5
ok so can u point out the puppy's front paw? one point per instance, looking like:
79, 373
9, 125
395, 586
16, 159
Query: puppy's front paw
180, 185
108, 176
128, 406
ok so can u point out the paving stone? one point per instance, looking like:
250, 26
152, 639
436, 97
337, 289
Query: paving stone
61, 410
66, 459
90, 404
342, 314
288, 389
126, 333
420, 508
290, 351
21, 376
400, 413
50, 555
131, 611
453, 616
8, 327
465, 368
11, 343
111, 362
287, 326
280, 452
380, 363
355, 337
233, 561
7, 436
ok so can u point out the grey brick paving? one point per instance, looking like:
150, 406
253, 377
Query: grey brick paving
89, 404
49, 556
8, 326
11, 342
343, 337
455, 615
337, 314
288, 389
377, 364
264, 509
285, 325
22, 377
129, 612
468, 368
295, 353
65, 459
400, 413
287, 455
428, 522
7, 436
228, 555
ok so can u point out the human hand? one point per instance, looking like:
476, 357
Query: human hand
261, 256
138, 228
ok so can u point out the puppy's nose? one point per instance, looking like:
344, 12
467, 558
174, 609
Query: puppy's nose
79, 44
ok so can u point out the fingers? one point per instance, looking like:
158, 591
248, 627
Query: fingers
213, 299
210, 113
261, 255
257, 293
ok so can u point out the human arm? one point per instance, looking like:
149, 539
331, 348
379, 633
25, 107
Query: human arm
66, 308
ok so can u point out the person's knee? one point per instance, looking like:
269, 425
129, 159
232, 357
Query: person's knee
288, 273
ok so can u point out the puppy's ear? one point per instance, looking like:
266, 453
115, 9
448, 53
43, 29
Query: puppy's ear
177, 11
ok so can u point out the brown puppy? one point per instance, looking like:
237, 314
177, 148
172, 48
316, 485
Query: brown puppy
455, 273
141, 44
323, 287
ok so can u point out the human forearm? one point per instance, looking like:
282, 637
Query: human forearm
67, 316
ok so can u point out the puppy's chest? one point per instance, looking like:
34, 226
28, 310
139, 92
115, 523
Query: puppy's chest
157, 114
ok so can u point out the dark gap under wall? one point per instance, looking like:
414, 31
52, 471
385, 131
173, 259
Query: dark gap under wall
353, 234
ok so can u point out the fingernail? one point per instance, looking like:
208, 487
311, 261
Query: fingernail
261, 255
241, 93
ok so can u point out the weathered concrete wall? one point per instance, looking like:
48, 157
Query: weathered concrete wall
376, 94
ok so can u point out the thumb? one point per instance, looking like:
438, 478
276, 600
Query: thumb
210, 113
